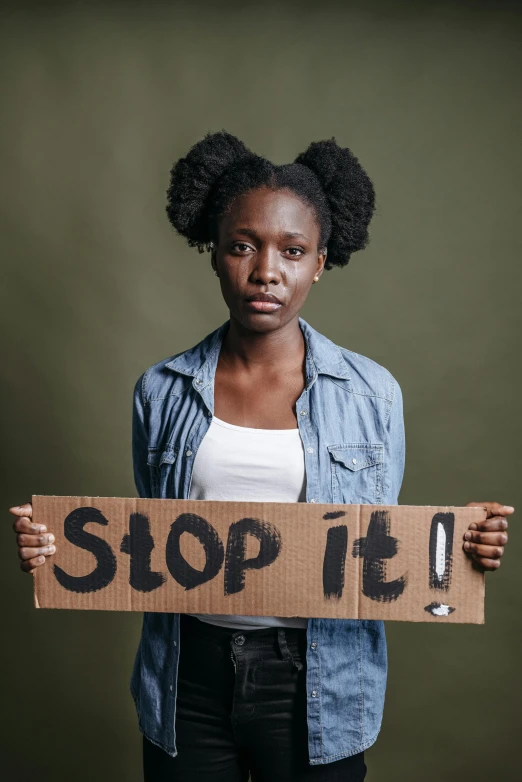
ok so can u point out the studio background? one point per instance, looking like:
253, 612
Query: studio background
99, 99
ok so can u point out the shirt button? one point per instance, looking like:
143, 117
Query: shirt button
302, 412
313, 645
354, 461
313, 499
309, 450
314, 693
199, 381
171, 687
239, 640
188, 453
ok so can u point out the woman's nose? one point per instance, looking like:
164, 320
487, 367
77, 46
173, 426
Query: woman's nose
267, 267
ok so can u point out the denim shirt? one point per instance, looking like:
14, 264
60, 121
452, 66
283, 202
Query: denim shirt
351, 423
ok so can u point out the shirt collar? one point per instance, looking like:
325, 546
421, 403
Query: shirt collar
322, 356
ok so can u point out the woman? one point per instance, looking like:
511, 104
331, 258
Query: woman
253, 412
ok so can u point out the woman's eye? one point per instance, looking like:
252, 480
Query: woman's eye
295, 252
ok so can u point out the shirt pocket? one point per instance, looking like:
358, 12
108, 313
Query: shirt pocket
356, 470
161, 471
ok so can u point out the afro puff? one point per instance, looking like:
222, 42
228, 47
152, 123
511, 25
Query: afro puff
219, 168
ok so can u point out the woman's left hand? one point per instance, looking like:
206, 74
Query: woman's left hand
485, 540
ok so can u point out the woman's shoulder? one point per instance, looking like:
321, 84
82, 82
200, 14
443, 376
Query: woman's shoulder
364, 375
171, 375
368, 376
156, 381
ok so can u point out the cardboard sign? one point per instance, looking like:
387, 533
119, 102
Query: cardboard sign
260, 559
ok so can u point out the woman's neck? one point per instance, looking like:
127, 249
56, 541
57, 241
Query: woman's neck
250, 350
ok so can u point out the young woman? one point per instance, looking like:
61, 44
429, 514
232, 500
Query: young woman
265, 408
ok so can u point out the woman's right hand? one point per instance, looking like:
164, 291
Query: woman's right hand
34, 542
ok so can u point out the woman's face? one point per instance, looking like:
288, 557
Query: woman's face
267, 247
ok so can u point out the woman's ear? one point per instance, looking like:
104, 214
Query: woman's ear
321, 260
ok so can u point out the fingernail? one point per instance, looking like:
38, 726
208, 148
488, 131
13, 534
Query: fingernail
467, 535
50, 538
41, 559
508, 507
467, 546
42, 528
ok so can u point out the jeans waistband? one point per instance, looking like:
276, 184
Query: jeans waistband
278, 636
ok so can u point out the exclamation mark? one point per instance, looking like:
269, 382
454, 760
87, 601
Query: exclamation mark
441, 559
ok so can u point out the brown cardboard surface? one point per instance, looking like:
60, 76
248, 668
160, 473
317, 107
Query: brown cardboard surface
262, 559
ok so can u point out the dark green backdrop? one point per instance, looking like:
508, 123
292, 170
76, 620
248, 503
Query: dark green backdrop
98, 100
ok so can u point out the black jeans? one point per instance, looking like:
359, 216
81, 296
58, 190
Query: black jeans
241, 708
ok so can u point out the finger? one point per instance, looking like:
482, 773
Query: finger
30, 564
34, 540
479, 550
490, 525
24, 524
22, 510
493, 508
488, 538
487, 564
29, 552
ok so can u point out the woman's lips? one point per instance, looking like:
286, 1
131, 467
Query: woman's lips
263, 306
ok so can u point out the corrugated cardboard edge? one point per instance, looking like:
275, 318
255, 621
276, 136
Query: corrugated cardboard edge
35, 596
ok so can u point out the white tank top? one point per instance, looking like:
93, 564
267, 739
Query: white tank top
257, 465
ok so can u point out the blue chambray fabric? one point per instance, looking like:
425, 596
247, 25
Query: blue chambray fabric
350, 420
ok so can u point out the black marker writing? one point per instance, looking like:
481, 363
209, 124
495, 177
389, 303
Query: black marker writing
180, 570
235, 562
105, 569
376, 548
334, 561
139, 544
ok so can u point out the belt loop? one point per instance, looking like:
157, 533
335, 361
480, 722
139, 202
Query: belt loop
285, 651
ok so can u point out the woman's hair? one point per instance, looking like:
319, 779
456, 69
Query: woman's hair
328, 177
